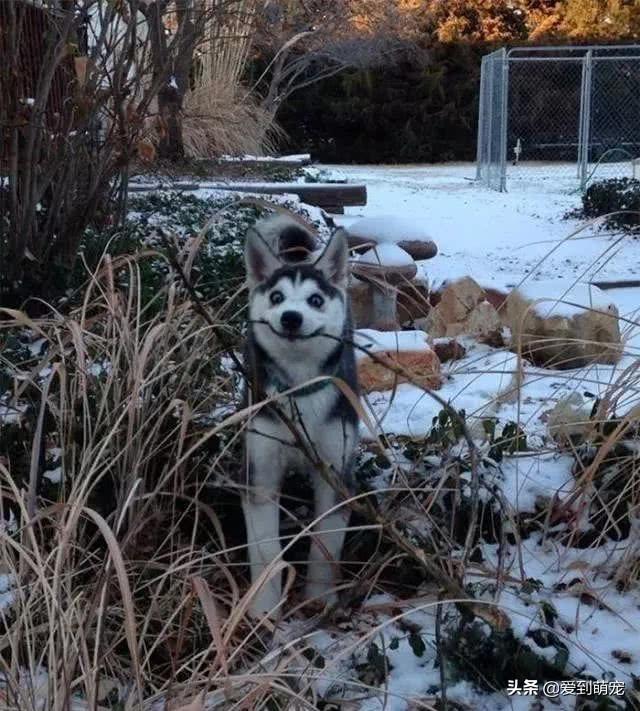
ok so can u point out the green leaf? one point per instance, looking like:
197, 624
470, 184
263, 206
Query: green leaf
417, 645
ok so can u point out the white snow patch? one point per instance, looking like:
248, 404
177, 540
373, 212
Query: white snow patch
53, 475
471, 384
377, 341
565, 298
386, 255
390, 228
7, 594
294, 158
537, 476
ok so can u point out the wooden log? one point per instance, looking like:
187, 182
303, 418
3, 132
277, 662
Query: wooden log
325, 195
319, 194
618, 284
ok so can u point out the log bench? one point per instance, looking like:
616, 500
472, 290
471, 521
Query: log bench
332, 197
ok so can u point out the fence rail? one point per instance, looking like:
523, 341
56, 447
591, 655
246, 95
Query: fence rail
563, 113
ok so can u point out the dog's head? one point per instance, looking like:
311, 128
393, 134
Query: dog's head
302, 304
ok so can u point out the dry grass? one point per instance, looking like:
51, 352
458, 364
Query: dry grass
220, 119
128, 584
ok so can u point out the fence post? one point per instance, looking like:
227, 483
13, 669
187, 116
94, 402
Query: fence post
489, 120
504, 79
585, 119
482, 104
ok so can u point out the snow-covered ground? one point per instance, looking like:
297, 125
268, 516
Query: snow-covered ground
497, 238
500, 239
503, 240
521, 237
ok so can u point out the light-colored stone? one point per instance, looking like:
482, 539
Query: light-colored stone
434, 324
483, 320
361, 303
423, 366
569, 338
459, 299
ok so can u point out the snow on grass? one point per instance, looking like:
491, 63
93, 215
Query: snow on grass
294, 158
534, 478
7, 592
596, 621
472, 384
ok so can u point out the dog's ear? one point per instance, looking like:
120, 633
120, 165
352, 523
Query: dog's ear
259, 258
334, 261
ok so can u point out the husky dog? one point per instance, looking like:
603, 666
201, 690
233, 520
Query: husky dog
299, 329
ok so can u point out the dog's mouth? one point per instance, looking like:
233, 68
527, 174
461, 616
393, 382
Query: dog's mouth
293, 335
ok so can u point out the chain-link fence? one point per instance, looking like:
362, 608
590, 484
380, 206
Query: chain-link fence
562, 114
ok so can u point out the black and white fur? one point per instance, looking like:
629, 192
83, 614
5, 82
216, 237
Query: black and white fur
299, 329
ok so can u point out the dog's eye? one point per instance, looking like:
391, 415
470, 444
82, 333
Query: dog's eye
276, 297
316, 301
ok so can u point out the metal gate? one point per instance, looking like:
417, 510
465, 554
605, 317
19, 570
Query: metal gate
566, 115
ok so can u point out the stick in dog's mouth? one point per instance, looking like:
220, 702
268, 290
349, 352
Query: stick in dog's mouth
291, 336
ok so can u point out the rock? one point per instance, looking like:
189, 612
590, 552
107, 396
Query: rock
384, 268
385, 324
361, 303
583, 329
423, 365
419, 249
412, 303
483, 320
435, 325
459, 298
448, 350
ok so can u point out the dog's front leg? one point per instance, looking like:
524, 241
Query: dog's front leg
262, 518
326, 545
261, 507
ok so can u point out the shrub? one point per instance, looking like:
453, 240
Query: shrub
618, 199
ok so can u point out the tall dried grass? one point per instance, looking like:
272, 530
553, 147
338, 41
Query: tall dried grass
220, 119
220, 116
126, 586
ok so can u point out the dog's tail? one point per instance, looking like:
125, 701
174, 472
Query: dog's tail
291, 240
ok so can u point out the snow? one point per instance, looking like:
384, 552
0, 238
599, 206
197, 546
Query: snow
53, 475
532, 477
294, 158
563, 297
521, 238
386, 255
497, 238
473, 384
389, 228
500, 240
377, 341
7, 594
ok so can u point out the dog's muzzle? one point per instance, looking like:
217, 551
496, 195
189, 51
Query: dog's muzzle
291, 322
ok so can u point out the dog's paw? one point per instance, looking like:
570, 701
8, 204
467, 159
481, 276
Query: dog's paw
265, 603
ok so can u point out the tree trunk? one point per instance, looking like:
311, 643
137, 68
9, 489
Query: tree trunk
171, 69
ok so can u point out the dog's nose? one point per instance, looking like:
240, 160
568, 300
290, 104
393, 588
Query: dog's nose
291, 320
